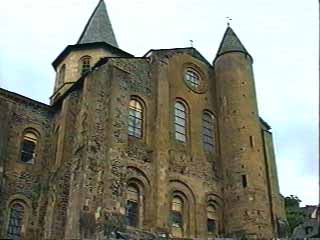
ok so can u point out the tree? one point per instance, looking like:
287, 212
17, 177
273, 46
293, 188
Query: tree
292, 201
294, 214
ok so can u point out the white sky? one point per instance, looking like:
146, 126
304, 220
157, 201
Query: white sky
282, 37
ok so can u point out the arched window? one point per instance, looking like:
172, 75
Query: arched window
85, 64
133, 206
208, 131
16, 218
135, 118
180, 116
61, 75
28, 149
192, 78
177, 216
212, 220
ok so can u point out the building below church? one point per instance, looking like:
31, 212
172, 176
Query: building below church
166, 144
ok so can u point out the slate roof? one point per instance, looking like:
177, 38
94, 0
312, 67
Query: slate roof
93, 45
171, 51
98, 28
231, 43
264, 124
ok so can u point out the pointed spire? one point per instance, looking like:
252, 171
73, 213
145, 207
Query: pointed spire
231, 43
98, 28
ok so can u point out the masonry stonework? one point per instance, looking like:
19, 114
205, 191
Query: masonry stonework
84, 163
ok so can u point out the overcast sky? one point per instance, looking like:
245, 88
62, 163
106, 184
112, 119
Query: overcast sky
282, 37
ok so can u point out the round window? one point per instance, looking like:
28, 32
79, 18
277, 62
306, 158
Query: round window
192, 77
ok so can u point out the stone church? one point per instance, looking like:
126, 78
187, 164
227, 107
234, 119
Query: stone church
167, 145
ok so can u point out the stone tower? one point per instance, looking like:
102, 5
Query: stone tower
96, 41
247, 206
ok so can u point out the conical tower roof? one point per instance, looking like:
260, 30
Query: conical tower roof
98, 28
231, 43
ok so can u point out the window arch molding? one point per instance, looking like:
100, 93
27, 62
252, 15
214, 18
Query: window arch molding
29, 145
32, 129
25, 203
85, 64
137, 121
181, 120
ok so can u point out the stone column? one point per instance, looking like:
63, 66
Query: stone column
162, 142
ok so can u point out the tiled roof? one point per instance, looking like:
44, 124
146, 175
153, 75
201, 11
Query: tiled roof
98, 28
231, 43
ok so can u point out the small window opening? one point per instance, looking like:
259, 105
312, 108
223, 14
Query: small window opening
308, 230
28, 147
252, 142
244, 181
177, 217
211, 220
85, 65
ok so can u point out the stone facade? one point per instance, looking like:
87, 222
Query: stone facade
76, 186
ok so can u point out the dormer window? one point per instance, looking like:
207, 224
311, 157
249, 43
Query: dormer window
85, 64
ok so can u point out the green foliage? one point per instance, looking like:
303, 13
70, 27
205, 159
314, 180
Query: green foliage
294, 215
292, 201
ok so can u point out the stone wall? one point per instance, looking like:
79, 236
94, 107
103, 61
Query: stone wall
245, 180
22, 181
77, 188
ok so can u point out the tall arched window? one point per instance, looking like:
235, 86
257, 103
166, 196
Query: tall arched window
133, 206
180, 116
211, 220
85, 64
135, 118
61, 75
208, 131
177, 216
16, 218
28, 148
